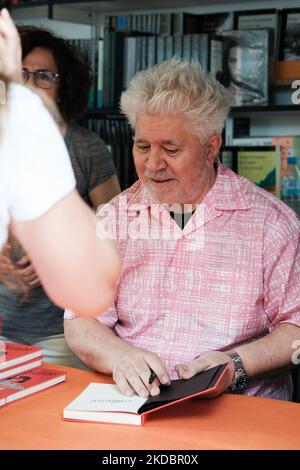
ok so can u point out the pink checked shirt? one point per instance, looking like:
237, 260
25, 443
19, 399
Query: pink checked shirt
229, 277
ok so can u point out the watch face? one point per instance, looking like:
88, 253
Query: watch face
240, 384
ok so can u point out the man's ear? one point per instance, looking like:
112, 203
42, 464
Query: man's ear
212, 148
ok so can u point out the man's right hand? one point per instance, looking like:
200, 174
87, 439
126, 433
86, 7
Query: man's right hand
132, 369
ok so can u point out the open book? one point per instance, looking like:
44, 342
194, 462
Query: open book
105, 403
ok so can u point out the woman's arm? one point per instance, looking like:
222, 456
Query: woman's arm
55, 227
77, 270
104, 192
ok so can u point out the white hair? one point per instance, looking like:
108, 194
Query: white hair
177, 86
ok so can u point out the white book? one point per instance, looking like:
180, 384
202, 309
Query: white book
105, 403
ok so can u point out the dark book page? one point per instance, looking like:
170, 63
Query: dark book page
184, 388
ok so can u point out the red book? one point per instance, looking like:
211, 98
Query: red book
104, 402
28, 383
20, 368
12, 354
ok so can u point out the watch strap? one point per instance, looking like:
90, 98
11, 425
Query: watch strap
241, 378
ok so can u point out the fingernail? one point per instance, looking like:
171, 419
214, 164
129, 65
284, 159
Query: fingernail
128, 392
165, 380
154, 391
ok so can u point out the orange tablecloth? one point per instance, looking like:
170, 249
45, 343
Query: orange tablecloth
228, 422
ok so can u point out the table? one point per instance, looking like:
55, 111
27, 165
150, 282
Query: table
227, 422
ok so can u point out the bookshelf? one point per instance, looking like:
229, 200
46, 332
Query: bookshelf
270, 109
126, 5
280, 117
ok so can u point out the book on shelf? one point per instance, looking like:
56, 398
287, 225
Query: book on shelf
284, 141
104, 402
241, 127
215, 23
245, 71
154, 23
14, 354
287, 71
261, 19
20, 386
185, 23
289, 146
215, 54
259, 164
171, 23
290, 35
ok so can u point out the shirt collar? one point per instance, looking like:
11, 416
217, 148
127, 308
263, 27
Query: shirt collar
229, 192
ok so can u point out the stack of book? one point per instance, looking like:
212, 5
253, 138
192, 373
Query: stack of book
21, 373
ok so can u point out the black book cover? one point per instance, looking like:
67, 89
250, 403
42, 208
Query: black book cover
184, 388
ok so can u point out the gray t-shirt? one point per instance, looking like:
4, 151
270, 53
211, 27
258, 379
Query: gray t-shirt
91, 160
29, 319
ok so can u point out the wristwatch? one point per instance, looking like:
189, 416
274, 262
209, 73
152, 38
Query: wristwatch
240, 379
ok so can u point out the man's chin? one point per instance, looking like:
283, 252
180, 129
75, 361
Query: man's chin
161, 198
162, 193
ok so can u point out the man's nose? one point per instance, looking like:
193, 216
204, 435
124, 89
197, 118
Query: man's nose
155, 161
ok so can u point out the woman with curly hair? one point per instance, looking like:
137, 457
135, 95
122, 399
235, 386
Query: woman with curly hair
53, 68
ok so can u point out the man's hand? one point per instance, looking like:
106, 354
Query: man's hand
204, 362
132, 369
10, 49
27, 273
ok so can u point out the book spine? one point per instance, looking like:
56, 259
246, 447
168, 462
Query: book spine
228, 131
216, 54
160, 57
151, 51
178, 46
252, 141
187, 46
204, 49
169, 47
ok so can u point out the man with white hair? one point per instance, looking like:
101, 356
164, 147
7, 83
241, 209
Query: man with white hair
211, 263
